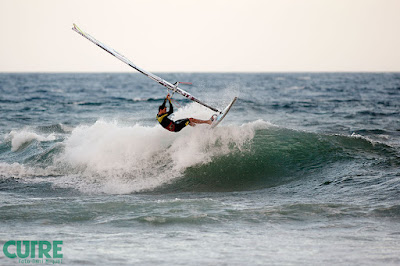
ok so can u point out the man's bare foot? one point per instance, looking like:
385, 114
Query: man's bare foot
212, 118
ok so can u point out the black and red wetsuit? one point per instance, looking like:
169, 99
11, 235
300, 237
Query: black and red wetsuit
174, 126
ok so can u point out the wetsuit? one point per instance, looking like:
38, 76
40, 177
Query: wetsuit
174, 126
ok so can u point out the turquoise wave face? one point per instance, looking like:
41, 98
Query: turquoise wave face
276, 156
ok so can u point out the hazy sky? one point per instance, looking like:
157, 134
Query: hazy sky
203, 35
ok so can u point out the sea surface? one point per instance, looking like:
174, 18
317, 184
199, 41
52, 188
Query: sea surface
304, 170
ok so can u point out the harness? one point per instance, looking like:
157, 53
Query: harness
170, 126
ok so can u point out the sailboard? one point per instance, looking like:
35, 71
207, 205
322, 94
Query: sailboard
222, 115
173, 87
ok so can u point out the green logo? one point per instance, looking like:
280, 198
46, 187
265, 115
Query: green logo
25, 251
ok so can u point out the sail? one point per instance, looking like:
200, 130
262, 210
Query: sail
161, 81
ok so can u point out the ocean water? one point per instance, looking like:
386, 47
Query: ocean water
305, 169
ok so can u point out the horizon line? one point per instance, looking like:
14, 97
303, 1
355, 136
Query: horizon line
200, 72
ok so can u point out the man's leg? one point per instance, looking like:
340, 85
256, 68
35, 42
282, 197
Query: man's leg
194, 121
179, 124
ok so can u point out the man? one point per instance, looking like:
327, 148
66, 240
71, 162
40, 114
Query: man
176, 126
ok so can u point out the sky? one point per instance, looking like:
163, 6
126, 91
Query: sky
201, 36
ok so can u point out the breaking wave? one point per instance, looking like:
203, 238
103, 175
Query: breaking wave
107, 157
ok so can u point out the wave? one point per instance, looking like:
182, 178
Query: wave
106, 157
276, 156
54, 128
21, 138
115, 159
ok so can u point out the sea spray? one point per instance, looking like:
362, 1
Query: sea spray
125, 159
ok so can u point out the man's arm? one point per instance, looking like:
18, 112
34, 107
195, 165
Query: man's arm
171, 108
165, 101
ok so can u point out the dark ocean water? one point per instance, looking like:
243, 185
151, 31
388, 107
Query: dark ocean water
305, 169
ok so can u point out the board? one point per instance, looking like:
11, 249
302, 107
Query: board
223, 113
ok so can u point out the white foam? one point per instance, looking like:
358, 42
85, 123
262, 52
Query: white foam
110, 158
20, 171
114, 158
19, 138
